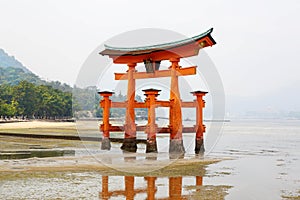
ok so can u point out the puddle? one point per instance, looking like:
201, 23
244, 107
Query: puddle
39, 153
95, 185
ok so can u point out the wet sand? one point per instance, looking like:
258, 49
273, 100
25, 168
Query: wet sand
45, 127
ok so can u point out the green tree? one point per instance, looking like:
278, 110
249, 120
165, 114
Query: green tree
8, 107
54, 102
27, 97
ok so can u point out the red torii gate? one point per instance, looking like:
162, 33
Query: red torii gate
129, 192
152, 56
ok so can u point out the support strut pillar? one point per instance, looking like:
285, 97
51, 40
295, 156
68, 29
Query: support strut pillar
151, 128
200, 127
105, 103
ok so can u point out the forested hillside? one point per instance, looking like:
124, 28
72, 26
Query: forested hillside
13, 76
23, 93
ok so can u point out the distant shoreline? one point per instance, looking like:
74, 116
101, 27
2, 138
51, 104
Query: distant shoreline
37, 120
90, 119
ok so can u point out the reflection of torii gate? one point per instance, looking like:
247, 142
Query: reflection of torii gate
175, 188
152, 56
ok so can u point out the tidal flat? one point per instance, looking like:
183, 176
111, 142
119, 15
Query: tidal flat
253, 159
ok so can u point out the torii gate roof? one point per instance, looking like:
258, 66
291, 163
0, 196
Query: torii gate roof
177, 49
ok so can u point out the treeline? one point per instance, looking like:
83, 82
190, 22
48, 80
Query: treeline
34, 101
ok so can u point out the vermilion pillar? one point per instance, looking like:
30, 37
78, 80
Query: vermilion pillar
151, 189
129, 187
104, 193
199, 180
129, 143
175, 187
200, 127
151, 128
105, 103
176, 143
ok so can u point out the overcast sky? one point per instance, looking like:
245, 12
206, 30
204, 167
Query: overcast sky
257, 41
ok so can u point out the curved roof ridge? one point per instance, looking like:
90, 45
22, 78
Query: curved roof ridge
162, 45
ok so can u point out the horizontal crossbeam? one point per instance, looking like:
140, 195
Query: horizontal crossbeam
159, 129
157, 74
184, 104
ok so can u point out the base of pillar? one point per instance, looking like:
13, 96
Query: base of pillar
128, 157
199, 146
151, 156
151, 146
105, 144
176, 147
129, 145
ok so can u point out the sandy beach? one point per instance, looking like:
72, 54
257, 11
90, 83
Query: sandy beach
36, 124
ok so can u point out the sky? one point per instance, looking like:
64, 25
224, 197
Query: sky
257, 41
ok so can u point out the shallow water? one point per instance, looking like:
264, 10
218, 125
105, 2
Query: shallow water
261, 161
22, 154
267, 159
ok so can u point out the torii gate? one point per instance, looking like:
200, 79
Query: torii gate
175, 188
151, 56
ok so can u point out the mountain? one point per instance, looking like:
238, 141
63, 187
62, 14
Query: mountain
12, 76
10, 61
12, 72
